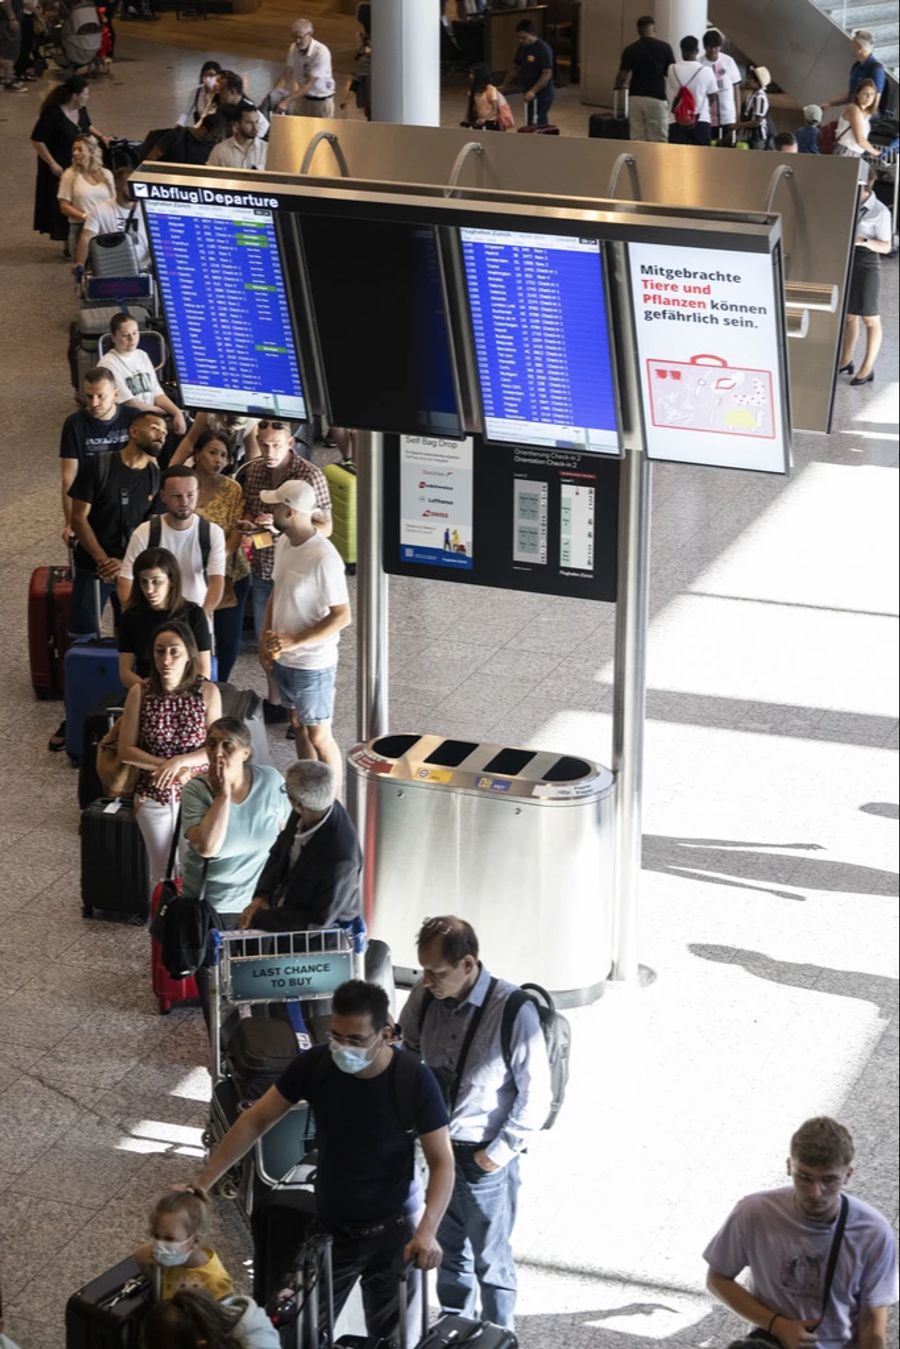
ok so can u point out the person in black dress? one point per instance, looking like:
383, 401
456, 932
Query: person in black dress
63, 118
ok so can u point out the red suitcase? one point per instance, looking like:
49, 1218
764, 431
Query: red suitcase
49, 601
168, 991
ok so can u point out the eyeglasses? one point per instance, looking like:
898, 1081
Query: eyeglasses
274, 426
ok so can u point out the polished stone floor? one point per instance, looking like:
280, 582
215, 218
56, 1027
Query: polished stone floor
769, 882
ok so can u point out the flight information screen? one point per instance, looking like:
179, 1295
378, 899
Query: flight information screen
223, 292
539, 320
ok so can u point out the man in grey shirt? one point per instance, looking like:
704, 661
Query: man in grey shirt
454, 1019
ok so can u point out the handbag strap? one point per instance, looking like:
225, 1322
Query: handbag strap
467, 1044
835, 1251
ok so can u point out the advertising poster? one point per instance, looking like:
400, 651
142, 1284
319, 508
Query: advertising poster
436, 502
709, 340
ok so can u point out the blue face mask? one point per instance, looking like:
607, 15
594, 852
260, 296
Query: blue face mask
171, 1253
348, 1059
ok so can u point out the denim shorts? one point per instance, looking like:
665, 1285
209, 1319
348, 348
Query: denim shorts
309, 692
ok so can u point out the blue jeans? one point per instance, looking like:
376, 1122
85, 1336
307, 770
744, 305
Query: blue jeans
260, 590
228, 624
83, 613
309, 692
537, 110
475, 1233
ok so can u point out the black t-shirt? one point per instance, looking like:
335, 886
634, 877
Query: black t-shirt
180, 146
120, 499
137, 626
83, 435
532, 58
648, 59
366, 1170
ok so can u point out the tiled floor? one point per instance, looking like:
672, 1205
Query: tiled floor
769, 888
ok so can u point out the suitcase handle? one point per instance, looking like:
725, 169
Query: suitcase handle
403, 1301
624, 92
707, 358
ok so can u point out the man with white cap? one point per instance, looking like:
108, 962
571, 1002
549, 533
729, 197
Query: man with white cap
307, 610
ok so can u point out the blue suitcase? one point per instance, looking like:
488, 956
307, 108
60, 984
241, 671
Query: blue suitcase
90, 674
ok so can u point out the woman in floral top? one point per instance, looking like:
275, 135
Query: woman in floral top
163, 732
221, 501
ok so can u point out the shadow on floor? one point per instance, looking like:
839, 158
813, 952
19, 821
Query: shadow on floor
888, 810
710, 859
874, 988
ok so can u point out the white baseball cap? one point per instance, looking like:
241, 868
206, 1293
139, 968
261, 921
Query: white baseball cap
295, 493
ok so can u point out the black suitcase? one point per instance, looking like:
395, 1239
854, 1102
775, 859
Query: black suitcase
96, 724
115, 877
280, 1224
107, 1312
258, 1052
602, 126
459, 1330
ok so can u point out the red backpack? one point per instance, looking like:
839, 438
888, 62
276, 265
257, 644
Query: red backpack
827, 138
684, 105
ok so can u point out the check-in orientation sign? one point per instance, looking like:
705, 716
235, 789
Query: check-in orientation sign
709, 354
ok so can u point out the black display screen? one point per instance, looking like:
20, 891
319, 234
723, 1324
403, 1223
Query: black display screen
381, 314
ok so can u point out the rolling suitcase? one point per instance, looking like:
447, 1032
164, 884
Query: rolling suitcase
96, 724
168, 992
342, 486
90, 672
547, 130
247, 707
114, 872
49, 600
458, 1330
615, 128
279, 1226
107, 1312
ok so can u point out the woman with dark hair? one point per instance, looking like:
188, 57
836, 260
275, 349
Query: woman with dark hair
203, 99
63, 119
193, 1320
156, 598
873, 240
483, 108
221, 501
164, 730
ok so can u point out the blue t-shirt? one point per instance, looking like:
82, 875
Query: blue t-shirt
870, 69
366, 1171
807, 140
253, 826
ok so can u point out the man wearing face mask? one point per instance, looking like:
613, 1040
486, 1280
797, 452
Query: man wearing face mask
312, 875
454, 1019
370, 1101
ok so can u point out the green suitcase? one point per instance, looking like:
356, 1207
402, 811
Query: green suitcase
342, 486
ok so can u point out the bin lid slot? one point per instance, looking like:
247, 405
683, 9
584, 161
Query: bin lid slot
509, 761
451, 753
395, 746
568, 769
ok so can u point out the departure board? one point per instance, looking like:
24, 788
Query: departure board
539, 320
223, 293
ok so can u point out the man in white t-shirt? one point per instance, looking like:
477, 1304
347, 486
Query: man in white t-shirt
198, 544
788, 1239
724, 107
306, 84
243, 149
111, 217
689, 74
307, 610
132, 369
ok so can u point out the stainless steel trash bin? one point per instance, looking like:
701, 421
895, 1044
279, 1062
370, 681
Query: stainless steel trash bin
517, 841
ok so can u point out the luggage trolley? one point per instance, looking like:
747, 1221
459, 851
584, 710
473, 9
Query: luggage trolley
258, 981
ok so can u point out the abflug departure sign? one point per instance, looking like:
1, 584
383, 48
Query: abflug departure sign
200, 196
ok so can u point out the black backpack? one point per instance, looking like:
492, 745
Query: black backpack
204, 536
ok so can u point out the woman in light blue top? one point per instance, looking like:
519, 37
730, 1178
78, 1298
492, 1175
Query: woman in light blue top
230, 818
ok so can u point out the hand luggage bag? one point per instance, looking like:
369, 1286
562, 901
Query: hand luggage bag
258, 1052
452, 1331
107, 1312
96, 724
615, 128
168, 992
280, 1224
247, 706
91, 671
49, 600
114, 872
342, 486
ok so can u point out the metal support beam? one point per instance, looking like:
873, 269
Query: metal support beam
371, 592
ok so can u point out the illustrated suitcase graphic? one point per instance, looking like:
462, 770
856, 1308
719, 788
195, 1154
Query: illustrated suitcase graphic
49, 601
342, 486
115, 876
707, 394
168, 992
107, 1312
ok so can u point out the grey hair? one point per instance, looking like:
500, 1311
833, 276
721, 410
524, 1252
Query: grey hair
310, 784
864, 38
304, 25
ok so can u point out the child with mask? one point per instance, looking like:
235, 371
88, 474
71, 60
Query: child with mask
179, 1225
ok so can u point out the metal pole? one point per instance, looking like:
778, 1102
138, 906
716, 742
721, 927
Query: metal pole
630, 667
371, 592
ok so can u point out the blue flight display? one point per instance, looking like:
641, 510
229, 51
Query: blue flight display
226, 308
539, 320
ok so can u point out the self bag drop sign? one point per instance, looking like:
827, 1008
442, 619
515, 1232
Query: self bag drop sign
709, 350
